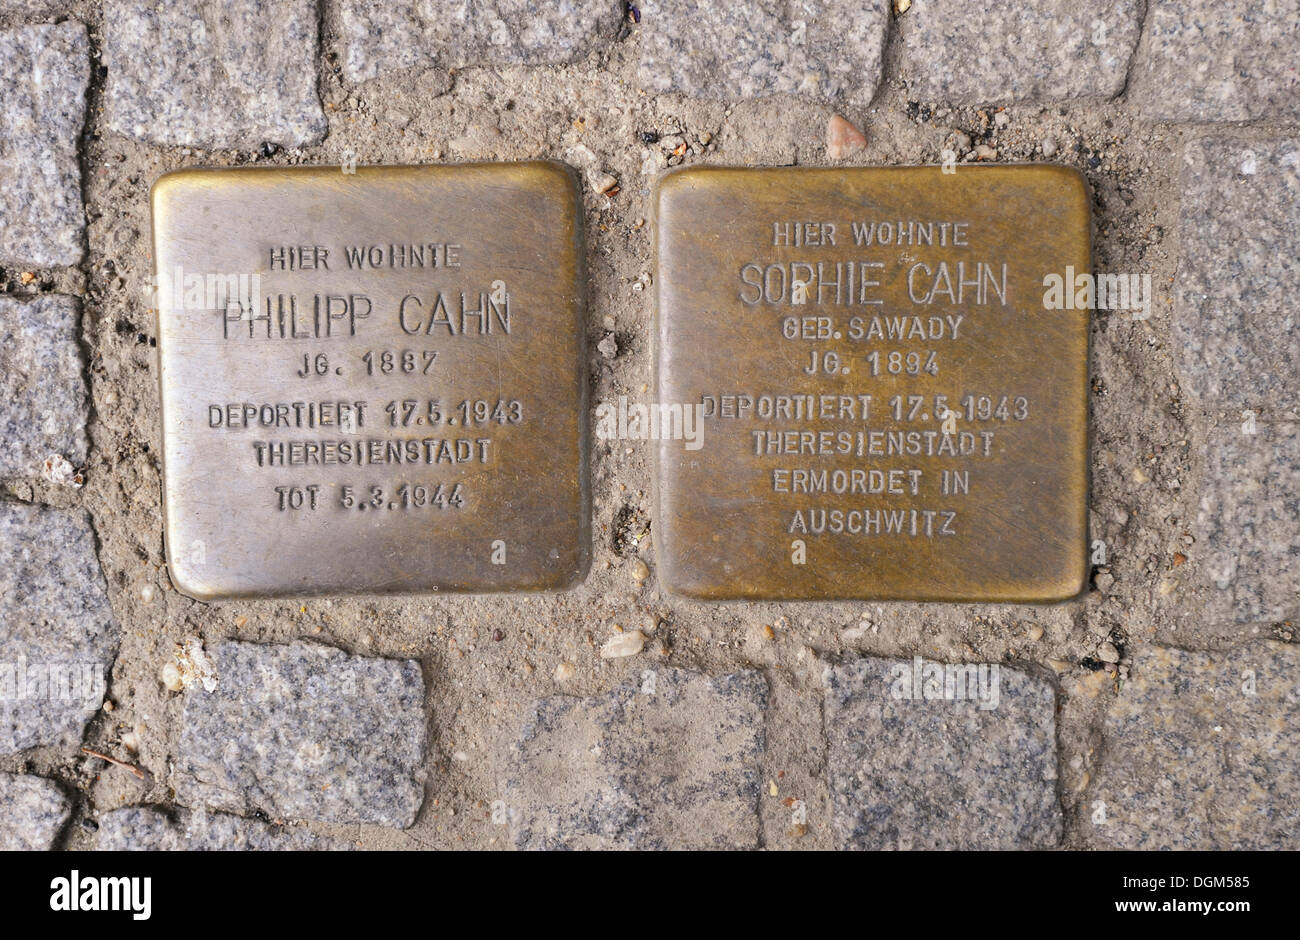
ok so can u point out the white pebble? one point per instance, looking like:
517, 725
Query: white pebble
171, 678
623, 644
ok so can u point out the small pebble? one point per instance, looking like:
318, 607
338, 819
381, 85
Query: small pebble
1107, 653
1048, 146
1035, 633
621, 645
843, 138
564, 672
58, 470
608, 346
147, 593
640, 570
171, 678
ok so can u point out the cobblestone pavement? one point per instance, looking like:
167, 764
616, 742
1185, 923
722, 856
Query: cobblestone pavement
1157, 710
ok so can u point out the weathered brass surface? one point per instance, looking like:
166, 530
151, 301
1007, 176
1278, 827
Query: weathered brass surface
372, 381
826, 354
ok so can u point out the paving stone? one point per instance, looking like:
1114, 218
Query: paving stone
33, 811
669, 761
303, 731
57, 633
975, 770
383, 36
140, 829
33, 11
1248, 522
1200, 751
822, 48
1235, 320
975, 52
43, 401
1205, 60
233, 74
43, 71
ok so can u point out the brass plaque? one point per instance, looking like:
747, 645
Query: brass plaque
889, 408
372, 381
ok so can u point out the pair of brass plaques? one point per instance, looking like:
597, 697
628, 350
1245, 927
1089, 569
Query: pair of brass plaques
375, 382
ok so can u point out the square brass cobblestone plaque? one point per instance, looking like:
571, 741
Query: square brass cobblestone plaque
372, 382
892, 399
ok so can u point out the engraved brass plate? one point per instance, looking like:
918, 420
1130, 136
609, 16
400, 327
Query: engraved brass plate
372, 381
892, 406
